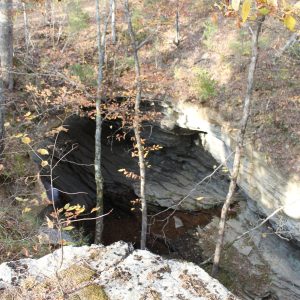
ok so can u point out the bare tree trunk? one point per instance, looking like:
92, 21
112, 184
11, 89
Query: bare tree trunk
98, 134
26, 31
2, 116
177, 37
238, 149
6, 42
48, 12
53, 23
113, 21
101, 44
137, 127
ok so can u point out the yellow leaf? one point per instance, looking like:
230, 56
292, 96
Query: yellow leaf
43, 151
21, 199
289, 22
95, 209
26, 209
79, 211
68, 228
246, 10
44, 163
26, 140
235, 4
49, 223
71, 208
27, 114
264, 11
67, 206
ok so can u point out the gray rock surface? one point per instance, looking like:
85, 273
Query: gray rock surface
272, 265
175, 173
52, 236
123, 273
260, 181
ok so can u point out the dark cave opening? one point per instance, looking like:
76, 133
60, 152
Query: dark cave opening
174, 173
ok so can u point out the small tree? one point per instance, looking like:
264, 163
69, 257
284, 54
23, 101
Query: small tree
113, 21
101, 44
260, 9
2, 116
137, 126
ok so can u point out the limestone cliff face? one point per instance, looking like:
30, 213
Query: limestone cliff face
261, 182
194, 140
115, 272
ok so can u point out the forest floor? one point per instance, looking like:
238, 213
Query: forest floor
209, 67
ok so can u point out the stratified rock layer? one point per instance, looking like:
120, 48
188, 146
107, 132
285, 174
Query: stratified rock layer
175, 172
259, 180
113, 272
260, 263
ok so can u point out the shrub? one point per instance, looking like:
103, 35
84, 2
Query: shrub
140, 29
85, 73
209, 31
294, 51
204, 85
242, 46
78, 19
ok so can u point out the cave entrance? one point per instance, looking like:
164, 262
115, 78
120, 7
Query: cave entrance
176, 169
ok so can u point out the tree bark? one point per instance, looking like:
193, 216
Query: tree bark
2, 120
98, 133
113, 22
48, 12
137, 128
6, 42
101, 45
26, 30
238, 149
177, 37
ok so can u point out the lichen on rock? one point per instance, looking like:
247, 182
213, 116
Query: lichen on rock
115, 272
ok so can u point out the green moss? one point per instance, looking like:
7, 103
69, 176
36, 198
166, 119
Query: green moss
70, 280
76, 274
80, 274
92, 292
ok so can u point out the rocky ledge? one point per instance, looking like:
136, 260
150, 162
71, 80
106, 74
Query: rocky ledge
113, 272
266, 185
